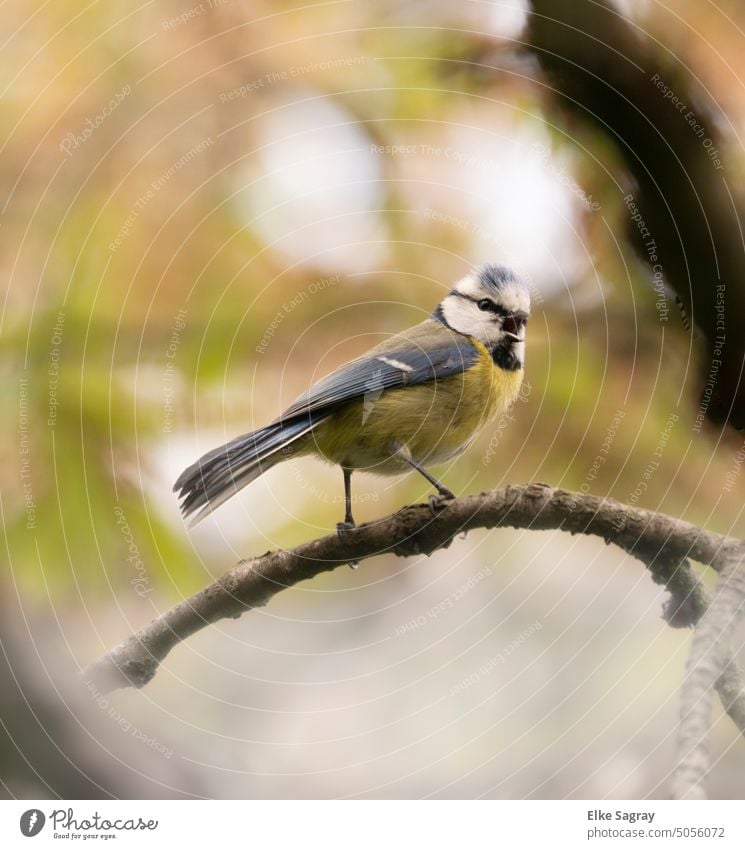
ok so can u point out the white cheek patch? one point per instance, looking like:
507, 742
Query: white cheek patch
465, 317
459, 314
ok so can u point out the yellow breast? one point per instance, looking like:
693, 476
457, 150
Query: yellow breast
435, 420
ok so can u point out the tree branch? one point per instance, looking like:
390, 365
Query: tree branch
708, 664
603, 71
662, 543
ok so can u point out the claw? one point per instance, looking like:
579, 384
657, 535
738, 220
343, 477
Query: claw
341, 529
440, 501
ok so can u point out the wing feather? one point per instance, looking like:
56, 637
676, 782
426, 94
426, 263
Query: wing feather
427, 352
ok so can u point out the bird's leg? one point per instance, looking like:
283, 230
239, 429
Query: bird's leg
348, 522
436, 502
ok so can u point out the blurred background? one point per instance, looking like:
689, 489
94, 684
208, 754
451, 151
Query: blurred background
205, 207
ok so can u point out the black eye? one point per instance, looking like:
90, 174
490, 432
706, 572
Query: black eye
485, 304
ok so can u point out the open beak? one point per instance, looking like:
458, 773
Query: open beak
514, 328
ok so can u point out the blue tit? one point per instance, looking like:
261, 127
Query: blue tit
419, 398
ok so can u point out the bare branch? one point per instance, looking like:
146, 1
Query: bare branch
708, 665
661, 542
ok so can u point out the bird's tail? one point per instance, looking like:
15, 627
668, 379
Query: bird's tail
220, 473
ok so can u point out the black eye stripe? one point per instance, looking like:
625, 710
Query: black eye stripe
520, 317
495, 308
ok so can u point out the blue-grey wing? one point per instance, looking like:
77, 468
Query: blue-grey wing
428, 352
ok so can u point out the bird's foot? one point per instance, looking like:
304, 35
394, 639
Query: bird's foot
341, 529
440, 501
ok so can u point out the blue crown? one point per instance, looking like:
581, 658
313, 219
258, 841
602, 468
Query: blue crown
497, 277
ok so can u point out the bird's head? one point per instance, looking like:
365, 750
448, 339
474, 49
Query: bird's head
490, 304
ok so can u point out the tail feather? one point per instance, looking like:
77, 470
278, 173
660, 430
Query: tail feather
222, 472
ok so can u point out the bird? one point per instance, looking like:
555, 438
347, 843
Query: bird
417, 399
